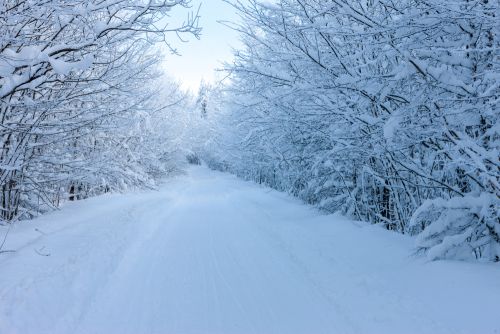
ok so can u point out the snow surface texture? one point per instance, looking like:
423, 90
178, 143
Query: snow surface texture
212, 254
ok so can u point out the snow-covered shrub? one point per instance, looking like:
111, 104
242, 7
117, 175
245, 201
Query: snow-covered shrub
459, 228
193, 159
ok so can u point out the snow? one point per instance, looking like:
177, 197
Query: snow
208, 253
64, 68
390, 127
456, 215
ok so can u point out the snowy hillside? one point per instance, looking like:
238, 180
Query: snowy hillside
209, 253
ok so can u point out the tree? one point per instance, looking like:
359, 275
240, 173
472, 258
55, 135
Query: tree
69, 73
374, 109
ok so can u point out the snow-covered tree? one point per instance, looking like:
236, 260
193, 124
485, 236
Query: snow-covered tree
73, 76
375, 109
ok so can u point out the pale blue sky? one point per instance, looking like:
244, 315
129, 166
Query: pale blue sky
199, 58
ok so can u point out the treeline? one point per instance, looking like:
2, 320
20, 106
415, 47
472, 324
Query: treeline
384, 110
80, 106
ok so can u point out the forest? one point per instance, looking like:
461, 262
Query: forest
385, 111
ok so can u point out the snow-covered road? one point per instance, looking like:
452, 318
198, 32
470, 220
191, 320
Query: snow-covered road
212, 254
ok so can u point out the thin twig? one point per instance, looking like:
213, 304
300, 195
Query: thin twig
39, 252
5, 238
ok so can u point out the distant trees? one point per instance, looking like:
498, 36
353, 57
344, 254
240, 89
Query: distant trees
384, 110
77, 98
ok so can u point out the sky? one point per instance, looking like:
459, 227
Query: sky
200, 58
